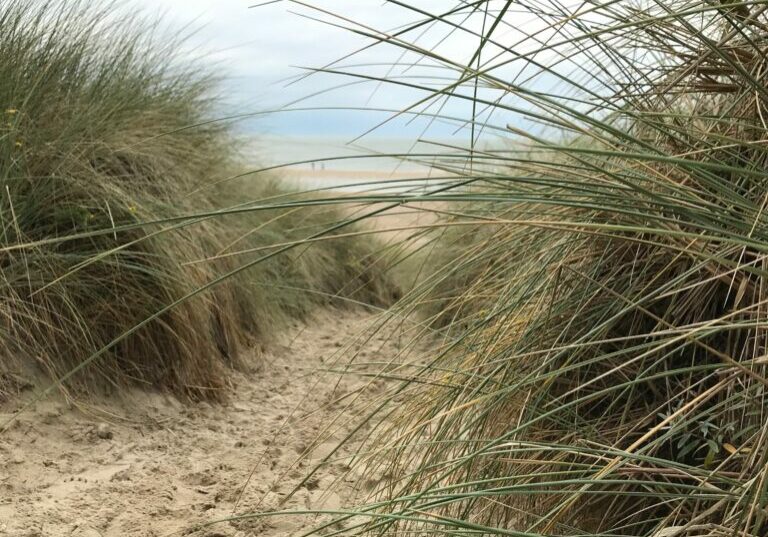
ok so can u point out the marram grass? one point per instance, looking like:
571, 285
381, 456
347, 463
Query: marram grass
107, 156
604, 307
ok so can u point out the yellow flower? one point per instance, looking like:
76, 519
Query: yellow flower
132, 208
19, 143
11, 111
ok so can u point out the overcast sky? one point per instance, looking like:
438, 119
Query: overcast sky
258, 49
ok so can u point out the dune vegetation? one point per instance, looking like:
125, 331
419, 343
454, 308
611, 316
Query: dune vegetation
112, 173
591, 314
600, 291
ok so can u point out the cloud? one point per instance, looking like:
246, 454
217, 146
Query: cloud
259, 49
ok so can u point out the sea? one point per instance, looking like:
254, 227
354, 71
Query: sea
332, 162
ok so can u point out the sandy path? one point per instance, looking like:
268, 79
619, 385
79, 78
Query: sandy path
149, 466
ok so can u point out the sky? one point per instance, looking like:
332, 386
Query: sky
261, 50
265, 54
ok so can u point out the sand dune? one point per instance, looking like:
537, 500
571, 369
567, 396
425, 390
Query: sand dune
149, 466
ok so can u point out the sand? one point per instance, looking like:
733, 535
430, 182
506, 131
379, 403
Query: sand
147, 465
336, 181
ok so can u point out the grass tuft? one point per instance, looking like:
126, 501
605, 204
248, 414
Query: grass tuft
105, 128
603, 309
